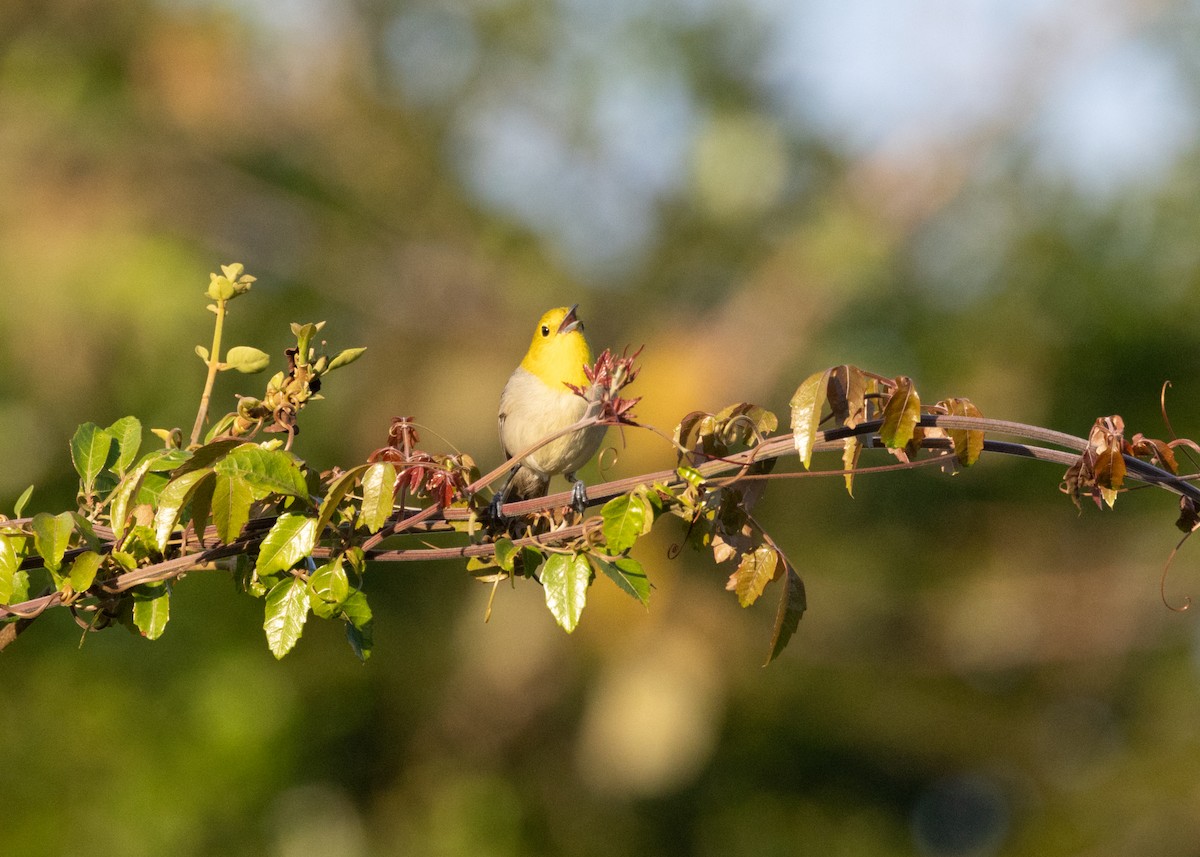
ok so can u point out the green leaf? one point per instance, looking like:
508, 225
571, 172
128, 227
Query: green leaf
754, 572
338, 489
806, 407
83, 570
360, 625
900, 414
627, 573
202, 497
10, 562
124, 498
378, 484
231, 501
202, 353
506, 553
127, 432
247, 360
151, 609
21, 501
344, 358
265, 471
171, 502
565, 580
286, 612
207, 455
291, 538
89, 452
792, 604
328, 584
51, 535
626, 518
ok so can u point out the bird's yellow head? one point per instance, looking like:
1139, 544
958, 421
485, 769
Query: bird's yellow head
558, 351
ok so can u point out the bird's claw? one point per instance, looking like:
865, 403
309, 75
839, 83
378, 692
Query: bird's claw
494, 513
579, 498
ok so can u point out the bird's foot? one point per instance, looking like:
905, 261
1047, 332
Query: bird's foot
579, 498
493, 518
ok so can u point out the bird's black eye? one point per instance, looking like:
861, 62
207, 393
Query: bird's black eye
545, 330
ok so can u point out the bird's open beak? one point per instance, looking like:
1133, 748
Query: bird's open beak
570, 321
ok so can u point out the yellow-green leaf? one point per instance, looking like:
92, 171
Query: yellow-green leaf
171, 501
565, 580
378, 486
9, 563
83, 570
127, 433
850, 453
626, 518
247, 360
290, 539
51, 535
151, 609
968, 444
337, 492
806, 408
231, 501
89, 452
286, 612
264, 471
900, 415
754, 572
328, 587
344, 358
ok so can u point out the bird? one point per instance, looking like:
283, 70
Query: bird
536, 403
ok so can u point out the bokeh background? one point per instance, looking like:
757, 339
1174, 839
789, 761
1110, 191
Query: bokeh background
1000, 198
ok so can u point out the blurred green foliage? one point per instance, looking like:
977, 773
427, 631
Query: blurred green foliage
981, 671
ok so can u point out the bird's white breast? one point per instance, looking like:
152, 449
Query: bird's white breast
531, 410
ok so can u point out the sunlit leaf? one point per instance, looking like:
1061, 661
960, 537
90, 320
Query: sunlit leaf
51, 535
900, 415
286, 612
565, 580
171, 501
126, 495
626, 518
19, 507
628, 574
207, 455
850, 453
967, 444
290, 539
89, 453
378, 487
265, 471
231, 501
792, 604
328, 584
127, 432
83, 570
336, 493
806, 408
754, 572
345, 358
247, 360
10, 562
151, 609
